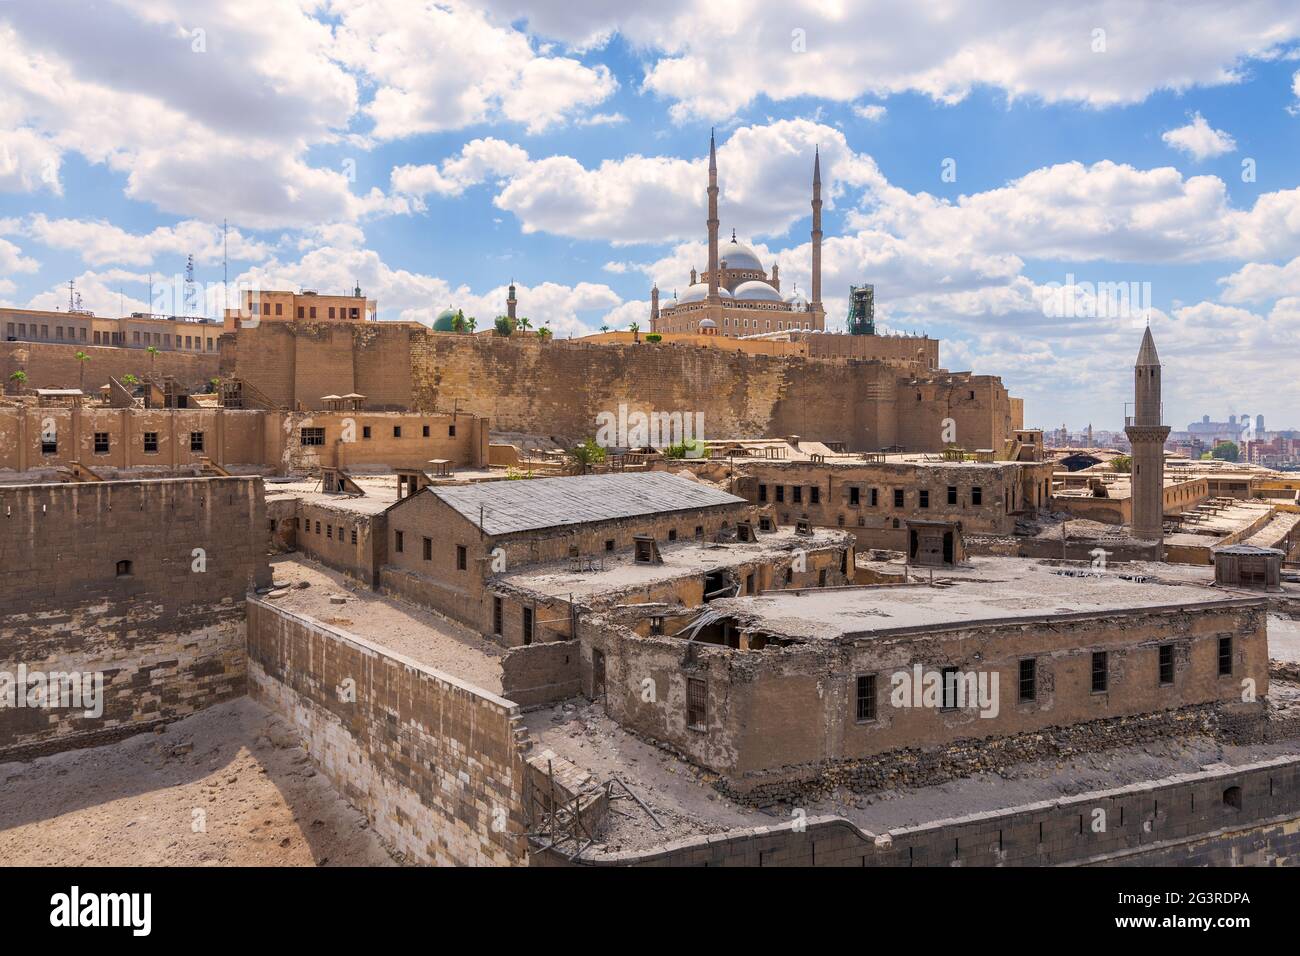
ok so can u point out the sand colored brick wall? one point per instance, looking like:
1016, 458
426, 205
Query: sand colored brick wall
541, 673
1182, 820
167, 636
435, 763
558, 388
56, 366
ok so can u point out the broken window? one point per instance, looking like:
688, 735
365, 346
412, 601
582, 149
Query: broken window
354, 536
875, 497
697, 706
866, 697
656, 625
1166, 663
949, 675
151, 443
196, 441
609, 544
49, 445
1100, 672
101, 443
854, 496
312, 436
1225, 656
672, 534
1028, 679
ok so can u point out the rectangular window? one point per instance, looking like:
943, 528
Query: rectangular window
196, 441
496, 615
528, 625
1166, 664
815, 495
925, 498
313, 436
952, 494
866, 697
397, 431
798, 494
1225, 656
300, 312
329, 531
424, 431
428, 549
451, 431
311, 312
279, 308
462, 559
50, 446
397, 541
1028, 679
151, 443
318, 527
697, 703
780, 492
762, 492
898, 497
101, 443
875, 497
1100, 672
365, 431
977, 496
354, 535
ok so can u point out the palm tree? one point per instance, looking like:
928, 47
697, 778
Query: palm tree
153, 353
471, 324
82, 358
635, 329
458, 321
19, 378
523, 323
604, 328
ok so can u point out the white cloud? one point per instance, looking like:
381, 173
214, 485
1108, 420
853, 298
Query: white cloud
478, 161
872, 113
1199, 140
13, 260
28, 162
447, 66
101, 243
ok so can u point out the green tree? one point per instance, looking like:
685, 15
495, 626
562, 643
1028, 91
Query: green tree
635, 329
503, 325
586, 454
654, 337
153, 354
523, 323
1226, 451
82, 358
1122, 463
458, 321
471, 324
130, 380
19, 378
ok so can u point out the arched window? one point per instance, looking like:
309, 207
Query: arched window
123, 569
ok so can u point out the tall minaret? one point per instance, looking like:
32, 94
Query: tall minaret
511, 302
1147, 433
654, 305
714, 298
815, 305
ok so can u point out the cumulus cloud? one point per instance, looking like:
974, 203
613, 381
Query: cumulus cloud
101, 243
872, 113
478, 161
1199, 140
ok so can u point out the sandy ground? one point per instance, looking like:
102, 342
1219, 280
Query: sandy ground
1283, 639
227, 787
686, 803
419, 634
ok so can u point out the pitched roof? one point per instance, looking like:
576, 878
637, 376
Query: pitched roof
533, 504
1147, 353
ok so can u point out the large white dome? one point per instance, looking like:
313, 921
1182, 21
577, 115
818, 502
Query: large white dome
740, 256
756, 289
699, 292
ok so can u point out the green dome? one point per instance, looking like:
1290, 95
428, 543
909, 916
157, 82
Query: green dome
443, 322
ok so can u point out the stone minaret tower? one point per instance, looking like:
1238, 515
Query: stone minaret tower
1147, 433
511, 302
714, 298
654, 303
815, 306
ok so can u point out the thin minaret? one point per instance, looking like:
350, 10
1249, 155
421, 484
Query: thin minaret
511, 302
713, 221
816, 305
1147, 433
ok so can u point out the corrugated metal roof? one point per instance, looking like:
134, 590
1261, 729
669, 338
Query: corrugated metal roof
532, 504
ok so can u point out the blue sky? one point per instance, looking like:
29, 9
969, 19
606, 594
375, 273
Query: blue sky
434, 152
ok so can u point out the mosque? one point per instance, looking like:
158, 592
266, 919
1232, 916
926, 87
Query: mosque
736, 296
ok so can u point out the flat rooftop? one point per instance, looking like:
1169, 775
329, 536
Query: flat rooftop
988, 590
619, 571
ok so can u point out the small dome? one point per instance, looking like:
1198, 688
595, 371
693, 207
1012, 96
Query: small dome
708, 324
796, 301
699, 292
740, 256
443, 323
756, 289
